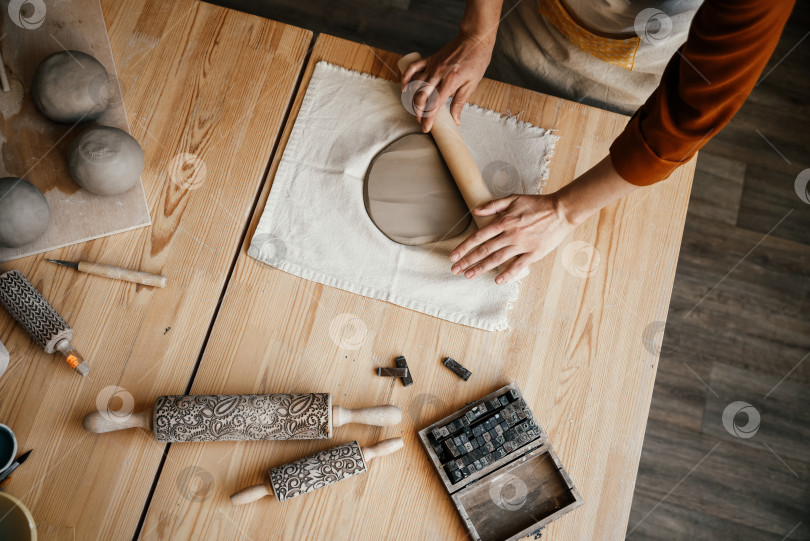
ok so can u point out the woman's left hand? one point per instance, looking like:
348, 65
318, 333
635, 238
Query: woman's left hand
527, 227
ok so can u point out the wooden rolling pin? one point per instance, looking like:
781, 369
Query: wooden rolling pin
459, 161
456, 155
243, 417
39, 319
316, 471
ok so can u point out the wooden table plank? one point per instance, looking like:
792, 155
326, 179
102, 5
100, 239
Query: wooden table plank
577, 350
197, 79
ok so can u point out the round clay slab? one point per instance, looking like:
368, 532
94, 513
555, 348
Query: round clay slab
411, 196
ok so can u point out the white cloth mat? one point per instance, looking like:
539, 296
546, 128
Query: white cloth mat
315, 225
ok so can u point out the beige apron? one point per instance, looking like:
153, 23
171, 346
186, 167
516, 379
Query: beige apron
606, 53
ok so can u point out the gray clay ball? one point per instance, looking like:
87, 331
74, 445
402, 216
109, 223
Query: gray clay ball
24, 212
105, 161
71, 86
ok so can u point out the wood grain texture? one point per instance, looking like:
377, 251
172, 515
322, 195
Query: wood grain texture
577, 350
197, 79
35, 148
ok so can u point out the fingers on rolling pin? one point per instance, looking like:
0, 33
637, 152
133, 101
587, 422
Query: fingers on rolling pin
377, 416
457, 156
101, 422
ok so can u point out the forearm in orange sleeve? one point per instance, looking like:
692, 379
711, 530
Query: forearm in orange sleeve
703, 86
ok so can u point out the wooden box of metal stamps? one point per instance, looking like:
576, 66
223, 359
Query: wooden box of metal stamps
495, 461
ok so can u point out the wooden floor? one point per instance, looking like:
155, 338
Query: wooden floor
739, 324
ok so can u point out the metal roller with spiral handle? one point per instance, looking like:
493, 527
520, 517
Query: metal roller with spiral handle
39, 319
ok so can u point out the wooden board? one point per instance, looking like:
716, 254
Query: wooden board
197, 79
35, 148
579, 350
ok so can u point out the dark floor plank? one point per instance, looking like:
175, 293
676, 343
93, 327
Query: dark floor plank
717, 188
675, 523
779, 422
395, 25
730, 480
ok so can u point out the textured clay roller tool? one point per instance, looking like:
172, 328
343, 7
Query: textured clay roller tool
316, 471
26, 305
244, 417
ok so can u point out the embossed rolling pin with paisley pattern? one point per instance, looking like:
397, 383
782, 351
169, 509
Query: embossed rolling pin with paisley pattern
316, 471
305, 416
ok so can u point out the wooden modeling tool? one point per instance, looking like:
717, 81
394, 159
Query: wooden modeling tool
316, 471
305, 416
459, 160
39, 319
115, 273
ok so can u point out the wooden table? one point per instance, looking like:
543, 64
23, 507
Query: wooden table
216, 83
197, 79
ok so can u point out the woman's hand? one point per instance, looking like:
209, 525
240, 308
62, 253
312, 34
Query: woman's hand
456, 69
527, 227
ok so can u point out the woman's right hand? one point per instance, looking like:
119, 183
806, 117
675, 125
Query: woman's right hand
456, 69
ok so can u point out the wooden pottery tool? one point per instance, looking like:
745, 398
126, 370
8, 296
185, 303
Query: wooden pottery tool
316, 471
115, 273
304, 416
459, 160
39, 319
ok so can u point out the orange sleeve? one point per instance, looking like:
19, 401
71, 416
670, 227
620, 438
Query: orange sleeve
702, 87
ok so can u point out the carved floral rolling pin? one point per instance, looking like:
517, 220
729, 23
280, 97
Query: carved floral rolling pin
316, 471
243, 417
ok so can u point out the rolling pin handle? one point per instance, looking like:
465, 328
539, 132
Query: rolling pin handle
385, 447
250, 494
100, 423
407, 60
377, 416
127, 275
